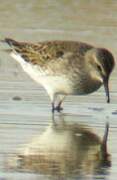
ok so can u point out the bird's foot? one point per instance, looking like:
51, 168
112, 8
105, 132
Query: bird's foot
57, 108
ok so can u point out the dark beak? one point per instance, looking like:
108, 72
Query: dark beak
106, 86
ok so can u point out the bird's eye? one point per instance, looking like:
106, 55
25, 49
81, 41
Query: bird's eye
99, 68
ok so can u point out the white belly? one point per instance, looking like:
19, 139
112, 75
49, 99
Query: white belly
53, 84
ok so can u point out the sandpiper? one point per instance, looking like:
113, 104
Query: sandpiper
64, 67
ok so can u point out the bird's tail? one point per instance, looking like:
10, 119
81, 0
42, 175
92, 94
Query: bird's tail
9, 41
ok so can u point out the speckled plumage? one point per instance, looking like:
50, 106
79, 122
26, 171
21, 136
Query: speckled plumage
64, 67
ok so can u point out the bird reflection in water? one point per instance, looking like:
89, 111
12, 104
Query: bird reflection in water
66, 149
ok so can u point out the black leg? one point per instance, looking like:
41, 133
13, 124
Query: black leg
58, 107
53, 108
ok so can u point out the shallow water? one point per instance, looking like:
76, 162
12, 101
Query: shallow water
34, 145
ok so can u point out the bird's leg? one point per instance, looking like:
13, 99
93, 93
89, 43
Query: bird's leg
58, 107
53, 107
53, 98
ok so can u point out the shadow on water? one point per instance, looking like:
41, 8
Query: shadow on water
65, 150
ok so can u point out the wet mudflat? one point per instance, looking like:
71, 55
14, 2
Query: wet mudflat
71, 145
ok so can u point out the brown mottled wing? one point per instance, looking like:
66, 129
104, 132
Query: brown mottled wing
48, 55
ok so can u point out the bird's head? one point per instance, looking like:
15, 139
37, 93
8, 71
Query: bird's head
102, 63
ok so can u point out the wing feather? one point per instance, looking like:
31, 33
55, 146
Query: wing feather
48, 55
